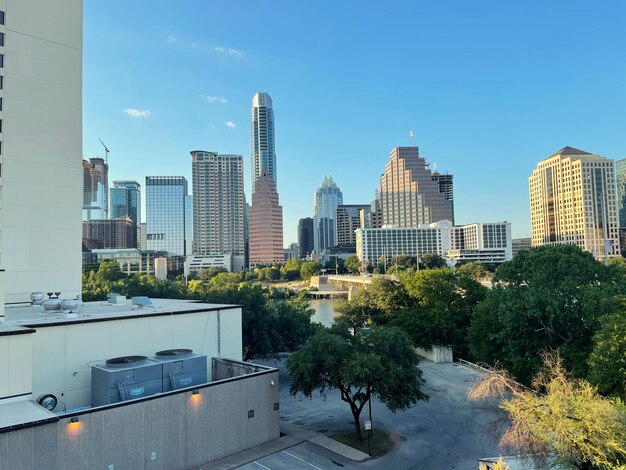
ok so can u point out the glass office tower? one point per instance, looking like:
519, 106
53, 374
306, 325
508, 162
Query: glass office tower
263, 149
327, 197
168, 215
125, 201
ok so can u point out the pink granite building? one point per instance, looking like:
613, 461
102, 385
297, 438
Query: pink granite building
266, 223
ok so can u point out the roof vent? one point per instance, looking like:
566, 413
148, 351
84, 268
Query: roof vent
125, 361
174, 353
142, 301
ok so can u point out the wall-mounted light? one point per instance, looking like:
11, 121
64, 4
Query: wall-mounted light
196, 392
74, 419
74, 427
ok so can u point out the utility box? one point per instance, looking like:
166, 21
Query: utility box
181, 368
125, 378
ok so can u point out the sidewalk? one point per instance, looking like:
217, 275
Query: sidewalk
292, 436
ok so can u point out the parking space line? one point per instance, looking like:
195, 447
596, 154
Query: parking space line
305, 417
261, 465
296, 457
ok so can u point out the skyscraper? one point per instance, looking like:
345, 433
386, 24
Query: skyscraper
620, 179
218, 206
95, 189
125, 200
347, 220
572, 201
40, 157
263, 150
327, 197
446, 187
168, 215
408, 194
266, 224
305, 237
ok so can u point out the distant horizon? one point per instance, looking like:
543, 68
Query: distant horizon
488, 91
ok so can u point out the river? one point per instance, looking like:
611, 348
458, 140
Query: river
324, 312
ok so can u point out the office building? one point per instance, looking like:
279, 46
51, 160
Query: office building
125, 201
291, 252
446, 187
95, 189
169, 215
306, 243
479, 242
218, 206
347, 220
573, 201
120, 232
262, 135
620, 180
327, 198
266, 224
520, 244
409, 195
41, 179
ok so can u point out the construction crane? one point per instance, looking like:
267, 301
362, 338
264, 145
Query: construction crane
106, 151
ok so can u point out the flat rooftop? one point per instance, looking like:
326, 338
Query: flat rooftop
22, 319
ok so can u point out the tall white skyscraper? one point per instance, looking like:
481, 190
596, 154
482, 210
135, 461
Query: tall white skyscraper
41, 177
263, 150
327, 197
218, 206
573, 201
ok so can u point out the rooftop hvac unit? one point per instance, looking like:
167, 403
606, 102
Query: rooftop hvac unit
181, 368
125, 378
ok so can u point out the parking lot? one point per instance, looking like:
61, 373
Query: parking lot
448, 431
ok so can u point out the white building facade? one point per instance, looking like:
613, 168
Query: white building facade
41, 174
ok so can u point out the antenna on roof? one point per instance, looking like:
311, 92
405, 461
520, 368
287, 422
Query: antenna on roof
106, 151
412, 138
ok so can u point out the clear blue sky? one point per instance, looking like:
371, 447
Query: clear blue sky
490, 88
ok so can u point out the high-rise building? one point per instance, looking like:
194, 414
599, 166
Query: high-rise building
572, 201
125, 201
521, 244
306, 243
263, 150
218, 206
347, 220
266, 224
116, 233
446, 187
409, 195
95, 189
327, 197
168, 215
620, 179
41, 176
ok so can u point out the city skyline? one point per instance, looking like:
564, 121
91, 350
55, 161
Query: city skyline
486, 117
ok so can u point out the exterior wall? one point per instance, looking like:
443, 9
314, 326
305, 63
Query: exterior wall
131, 261
371, 244
16, 359
109, 233
520, 244
41, 154
573, 201
194, 264
347, 220
620, 180
182, 430
266, 224
218, 203
409, 196
305, 237
436, 354
63, 353
95, 189
125, 197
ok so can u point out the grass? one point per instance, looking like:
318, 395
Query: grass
381, 441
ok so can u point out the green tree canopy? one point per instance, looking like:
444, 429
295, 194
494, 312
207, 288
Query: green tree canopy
607, 362
546, 298
352, 264
309, 268
382, 364
432, 261
474, 270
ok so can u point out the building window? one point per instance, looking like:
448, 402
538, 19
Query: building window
1, 17
1, 39
1, 82
1, 60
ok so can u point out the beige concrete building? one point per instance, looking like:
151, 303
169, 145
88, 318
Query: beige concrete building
409, 195
266, 224
573, 201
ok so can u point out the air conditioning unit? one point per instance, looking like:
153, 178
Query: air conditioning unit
181, 368
125, 378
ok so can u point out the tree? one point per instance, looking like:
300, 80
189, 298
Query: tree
432, 261
474, 270
380, 364
309, 268
441, 305
546, 298
290, 271
352, 264
569, 418
293, 323
607, 362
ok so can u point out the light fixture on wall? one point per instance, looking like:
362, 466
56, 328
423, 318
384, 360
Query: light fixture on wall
74, 419
196, 392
